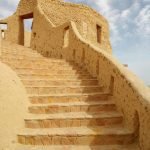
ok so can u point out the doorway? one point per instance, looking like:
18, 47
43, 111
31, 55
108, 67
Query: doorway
26, 23
3, 28
27, 31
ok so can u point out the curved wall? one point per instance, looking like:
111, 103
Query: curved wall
130, 94
85, 18
13, 107
132, 97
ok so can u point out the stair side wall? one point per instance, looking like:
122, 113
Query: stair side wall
13, 107
132, 97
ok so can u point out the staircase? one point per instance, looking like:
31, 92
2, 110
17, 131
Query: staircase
68, 109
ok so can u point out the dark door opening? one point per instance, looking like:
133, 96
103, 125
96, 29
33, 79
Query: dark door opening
99, 32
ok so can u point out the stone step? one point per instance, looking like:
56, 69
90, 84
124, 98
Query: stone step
19, 51
62, 89
41, 59
60, 82
17, 54
44, 67
31, 63
93, 106
78, 147
51, 70
63, 98
25, 62
54, 72
55, 76
41, 67
36, 59
73, 119
77, 136
15, 47
16, 60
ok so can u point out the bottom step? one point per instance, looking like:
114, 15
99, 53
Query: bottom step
77, 136
71, 147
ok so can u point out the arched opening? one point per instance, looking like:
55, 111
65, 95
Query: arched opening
66, 37
83, 57
47, 54
111, 86
97, 68
74, 54
136, 126
61, 56
3, 34
99, 32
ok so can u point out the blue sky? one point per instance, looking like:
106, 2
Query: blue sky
129, 26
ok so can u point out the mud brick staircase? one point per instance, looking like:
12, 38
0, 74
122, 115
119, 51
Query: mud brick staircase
68, 109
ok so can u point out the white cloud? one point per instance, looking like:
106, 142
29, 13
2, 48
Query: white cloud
104, 6
143, 21
118, 19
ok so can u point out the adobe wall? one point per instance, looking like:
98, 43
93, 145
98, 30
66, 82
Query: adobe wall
85, 18
13, 107
26, 7
51, 38
59, 13
130, 94
15, 31
48, 41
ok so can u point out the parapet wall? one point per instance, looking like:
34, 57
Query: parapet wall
86, 20
130, 94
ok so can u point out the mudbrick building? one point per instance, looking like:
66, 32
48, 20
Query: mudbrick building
67, 91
